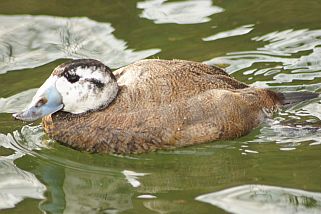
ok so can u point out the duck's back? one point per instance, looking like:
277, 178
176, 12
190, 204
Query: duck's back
165, 104
155, 82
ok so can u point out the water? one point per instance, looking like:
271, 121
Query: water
274, 169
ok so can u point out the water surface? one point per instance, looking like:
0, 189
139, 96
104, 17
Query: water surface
274, 169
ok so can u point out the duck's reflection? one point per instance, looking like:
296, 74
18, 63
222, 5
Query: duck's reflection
69, 190
73, 191
86, 183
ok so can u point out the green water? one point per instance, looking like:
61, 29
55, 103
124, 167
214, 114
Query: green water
275, 44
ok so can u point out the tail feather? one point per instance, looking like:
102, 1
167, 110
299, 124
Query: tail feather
292, 98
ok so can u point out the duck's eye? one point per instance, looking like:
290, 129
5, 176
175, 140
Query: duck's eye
41, 102
72, 78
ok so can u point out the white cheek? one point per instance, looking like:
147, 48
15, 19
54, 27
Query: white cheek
72, 95
80, 96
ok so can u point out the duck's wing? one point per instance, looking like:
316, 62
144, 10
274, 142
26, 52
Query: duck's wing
156, 82
155, 67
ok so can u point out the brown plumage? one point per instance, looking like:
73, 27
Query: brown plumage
166, 104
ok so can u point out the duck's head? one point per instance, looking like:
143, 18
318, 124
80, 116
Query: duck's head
77, 87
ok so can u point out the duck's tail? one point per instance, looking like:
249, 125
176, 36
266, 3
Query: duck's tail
289, 99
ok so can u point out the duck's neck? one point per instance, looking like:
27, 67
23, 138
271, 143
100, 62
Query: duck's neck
108, 96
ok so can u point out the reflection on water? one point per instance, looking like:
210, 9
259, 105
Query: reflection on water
16, 102
71, 191
312, 109
182, 12
294, 50
264, 199
290, 136
15, 183
85, 193
132, 177
293, 127
235, 32
161, 182
30, 41
147, 196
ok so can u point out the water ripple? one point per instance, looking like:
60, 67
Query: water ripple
32, 140
234, 32
295, 51
16, 102
289, 136
290, 41
15, 183
182, 12
293, 127
264, 199
31, 41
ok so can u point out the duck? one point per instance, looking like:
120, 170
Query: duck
149, 105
